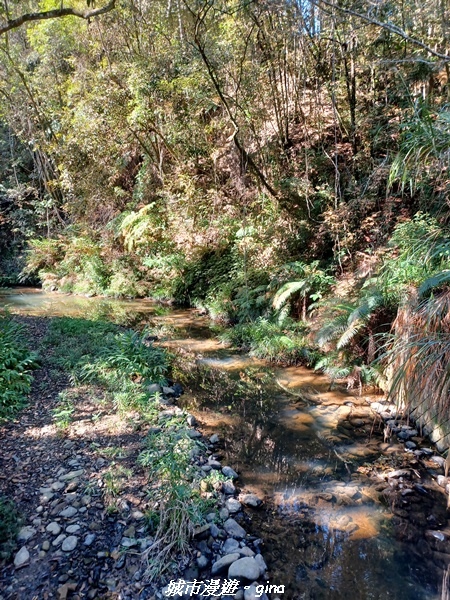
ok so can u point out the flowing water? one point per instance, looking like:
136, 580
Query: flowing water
316, 456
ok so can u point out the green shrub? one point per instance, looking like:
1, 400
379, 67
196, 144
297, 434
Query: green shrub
284, 343
9, 527
16, 363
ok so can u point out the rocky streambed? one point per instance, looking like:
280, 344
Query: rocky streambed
354, 498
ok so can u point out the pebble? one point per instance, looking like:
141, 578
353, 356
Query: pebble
262, 564
229, 472
223, 563
230, 545
233, 505
246, 568
69, 512
228, 488
89, 539
46, 545
214, 439
71, 475
202, 561
21, 558
128, 542
26, 533
53, 528
137, 515
57, 541
70, 543
73, 528
234, 529
250, 500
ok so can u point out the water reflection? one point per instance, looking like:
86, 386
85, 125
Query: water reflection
300, 445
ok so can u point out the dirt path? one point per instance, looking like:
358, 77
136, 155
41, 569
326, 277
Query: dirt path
78, 490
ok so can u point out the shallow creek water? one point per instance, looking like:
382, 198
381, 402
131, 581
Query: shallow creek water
310, 453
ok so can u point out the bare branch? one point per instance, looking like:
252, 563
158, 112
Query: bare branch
55, 14
387, 26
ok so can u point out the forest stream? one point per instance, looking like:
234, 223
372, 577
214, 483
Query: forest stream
347, 513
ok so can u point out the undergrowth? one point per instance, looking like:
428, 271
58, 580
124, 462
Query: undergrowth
16, 364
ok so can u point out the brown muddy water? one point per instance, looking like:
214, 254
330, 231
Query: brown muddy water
334, 526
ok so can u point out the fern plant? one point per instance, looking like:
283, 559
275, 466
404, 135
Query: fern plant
16, 364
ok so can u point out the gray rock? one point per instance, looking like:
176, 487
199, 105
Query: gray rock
246, 551
250, 500
45, 545
215, 464
168, 391
128, 542
229, 472
89, 539
438, 460
410, 445
53, 528
246, 568
22, 557
59, 540
214, 439
223, 563
71, 475
73, 529
202, 561
262, 564
214, 530
154, 388
251, 594
233, 529
231, 545
26, 533
233, 505
191, 420
228, 488
137, 515
70, 543
193, 434
68, 512
224, 513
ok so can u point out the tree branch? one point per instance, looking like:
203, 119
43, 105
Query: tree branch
55, 14
387, 26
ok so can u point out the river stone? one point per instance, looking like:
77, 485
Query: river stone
21, 558
228, 488
57, 541
71, 475
231, 545
128, 542
70, 543
246, 551
154, 388
214, 439
89, 539
250, 593
202, 561
215, 464
262, 564
191, 420
234, 529
45, 545
26, 533
229, 472
250, 500
53, 528
233, 505
246, 568
224, 513
223, 563
68, 512
73, 528
57, 485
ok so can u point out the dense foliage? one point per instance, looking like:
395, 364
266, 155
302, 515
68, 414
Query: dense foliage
16, 364
271, 163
